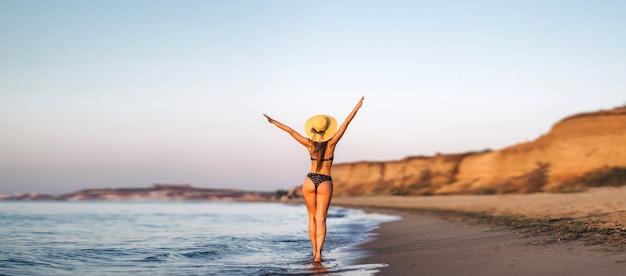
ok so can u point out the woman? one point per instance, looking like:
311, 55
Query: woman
318, 184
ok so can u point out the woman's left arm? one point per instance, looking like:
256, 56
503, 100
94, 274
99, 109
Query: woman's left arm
344, 126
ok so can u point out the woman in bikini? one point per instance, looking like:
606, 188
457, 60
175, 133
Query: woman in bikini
318, 184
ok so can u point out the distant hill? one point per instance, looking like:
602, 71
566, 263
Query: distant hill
582, 150
157, 192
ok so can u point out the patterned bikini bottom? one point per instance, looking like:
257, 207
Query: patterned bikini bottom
318, 178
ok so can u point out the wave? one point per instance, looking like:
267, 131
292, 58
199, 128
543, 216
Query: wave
172, 256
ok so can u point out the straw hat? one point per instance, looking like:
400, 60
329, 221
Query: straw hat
320, 128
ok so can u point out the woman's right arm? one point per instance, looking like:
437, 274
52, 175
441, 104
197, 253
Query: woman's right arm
301, 139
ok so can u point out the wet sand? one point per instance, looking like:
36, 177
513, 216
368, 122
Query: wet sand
536, 234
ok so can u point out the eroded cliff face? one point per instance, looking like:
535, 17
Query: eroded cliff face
582, 150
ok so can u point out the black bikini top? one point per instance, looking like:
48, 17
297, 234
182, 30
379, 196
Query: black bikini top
326, 159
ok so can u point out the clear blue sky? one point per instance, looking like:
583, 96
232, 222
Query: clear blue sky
129, 93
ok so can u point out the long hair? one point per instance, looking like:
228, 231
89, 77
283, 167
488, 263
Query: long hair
319, 149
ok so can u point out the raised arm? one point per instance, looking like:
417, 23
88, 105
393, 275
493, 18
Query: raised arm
345, 123
301, 139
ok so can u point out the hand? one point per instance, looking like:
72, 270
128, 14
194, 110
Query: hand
358, 105
268, 118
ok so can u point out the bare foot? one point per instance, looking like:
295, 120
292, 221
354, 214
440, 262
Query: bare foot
317, 258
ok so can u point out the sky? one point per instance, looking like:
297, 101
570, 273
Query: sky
114, 94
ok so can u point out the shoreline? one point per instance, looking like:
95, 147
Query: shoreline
485, 235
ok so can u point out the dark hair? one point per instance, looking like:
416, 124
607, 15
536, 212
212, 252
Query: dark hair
319, 149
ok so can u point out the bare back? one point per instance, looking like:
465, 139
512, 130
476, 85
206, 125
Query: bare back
326, 165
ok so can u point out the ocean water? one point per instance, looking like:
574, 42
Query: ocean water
177, 238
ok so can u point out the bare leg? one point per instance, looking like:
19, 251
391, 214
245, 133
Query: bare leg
324, 195
310, 198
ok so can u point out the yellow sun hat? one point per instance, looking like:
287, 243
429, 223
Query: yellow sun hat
320, 128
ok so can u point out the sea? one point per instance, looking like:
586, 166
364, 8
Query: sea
178, 238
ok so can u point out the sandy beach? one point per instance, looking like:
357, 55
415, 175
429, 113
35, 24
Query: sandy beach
518, 234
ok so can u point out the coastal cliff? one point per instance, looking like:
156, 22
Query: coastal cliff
582, 150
